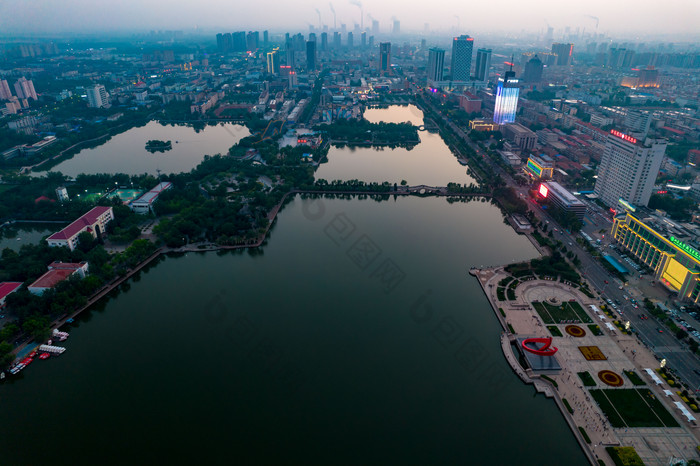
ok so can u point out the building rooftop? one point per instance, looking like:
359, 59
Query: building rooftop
562, 193
8, 287
77, 226
52, 278
153, 194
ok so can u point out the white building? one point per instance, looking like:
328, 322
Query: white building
62, 194
628, 169
94, 222
144, 204
97, 96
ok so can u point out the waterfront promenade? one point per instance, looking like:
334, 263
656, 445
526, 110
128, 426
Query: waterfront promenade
655, 445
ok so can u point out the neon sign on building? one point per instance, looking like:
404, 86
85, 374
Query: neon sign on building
543, 190
506, 103
685, 248
536, 169
623, 136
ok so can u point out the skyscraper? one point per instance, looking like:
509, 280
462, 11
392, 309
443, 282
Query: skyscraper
24, 88
324, 41
311, 55
273, 62
462, 47
363, 39
336, 40
375, 27
384, 56
507, 93
436, 63
628, 169
483, 63
5, 93
564, 53
533, 70
397, 26
97, 96
290, 55
350, 44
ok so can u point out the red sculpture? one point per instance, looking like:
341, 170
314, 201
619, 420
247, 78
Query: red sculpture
543, 350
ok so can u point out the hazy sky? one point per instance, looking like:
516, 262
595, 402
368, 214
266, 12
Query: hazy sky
616, 16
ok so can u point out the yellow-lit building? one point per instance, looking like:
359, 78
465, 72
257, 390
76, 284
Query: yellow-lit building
539, 168
483, 125
675, 264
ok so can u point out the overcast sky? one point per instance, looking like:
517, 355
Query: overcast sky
617, 17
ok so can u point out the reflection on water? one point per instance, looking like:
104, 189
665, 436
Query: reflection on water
430, 162
126, 152
16, 236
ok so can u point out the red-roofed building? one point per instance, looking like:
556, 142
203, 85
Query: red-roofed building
93, 222
5, 289
58, 271
43, 199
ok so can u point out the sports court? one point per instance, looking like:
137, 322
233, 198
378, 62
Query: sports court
125, 195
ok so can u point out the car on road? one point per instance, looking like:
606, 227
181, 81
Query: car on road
658, 329
605, 281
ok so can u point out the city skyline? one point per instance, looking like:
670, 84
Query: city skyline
449, 16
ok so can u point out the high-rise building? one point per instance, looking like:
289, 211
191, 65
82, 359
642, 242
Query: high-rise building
533, 70
273, 62
462, 47
311, 55
363, 39
336, 40
375, 27
436, 64
238, 41
483, 63
24, 88
628, 169
266, 38
290, 55
384, 56
564, 53
324, 41
252, 41
648, 77
507, 93
97, 96
5, 93
397, 26
350, 44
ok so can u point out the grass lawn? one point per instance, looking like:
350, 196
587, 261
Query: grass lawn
624, 456
595, 330
587, 379
554, 330
576, 307
500, 294
634, 378
633, 408
546, 318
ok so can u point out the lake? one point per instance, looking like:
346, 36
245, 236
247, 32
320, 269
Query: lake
126, 153
355, 336
17, 235
430, 162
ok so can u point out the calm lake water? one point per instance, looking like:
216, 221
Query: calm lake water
126, 153
430, 162
16, 236
356, 337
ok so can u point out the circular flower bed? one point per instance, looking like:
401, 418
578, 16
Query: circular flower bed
610, 378
575, 331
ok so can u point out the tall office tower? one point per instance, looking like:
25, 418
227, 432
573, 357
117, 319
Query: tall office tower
628, 59
239, 41
462, 47
615, 57
375, 27
638, 122
24, 88
397, 26
533, 70
549, 37
336, 40
290, 55
266, 38
273, 62
564, 53
312, 36
483, 63
350, 43
384, 56
310, 55
97, 96
5, 93
220, 42
423, 44
370, 43
324, 41
363, 39
506, 98
628, 169
436, 63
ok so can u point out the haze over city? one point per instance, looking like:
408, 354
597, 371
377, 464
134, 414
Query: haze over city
621, 17
350, 232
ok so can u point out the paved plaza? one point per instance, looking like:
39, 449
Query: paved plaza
622, 353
